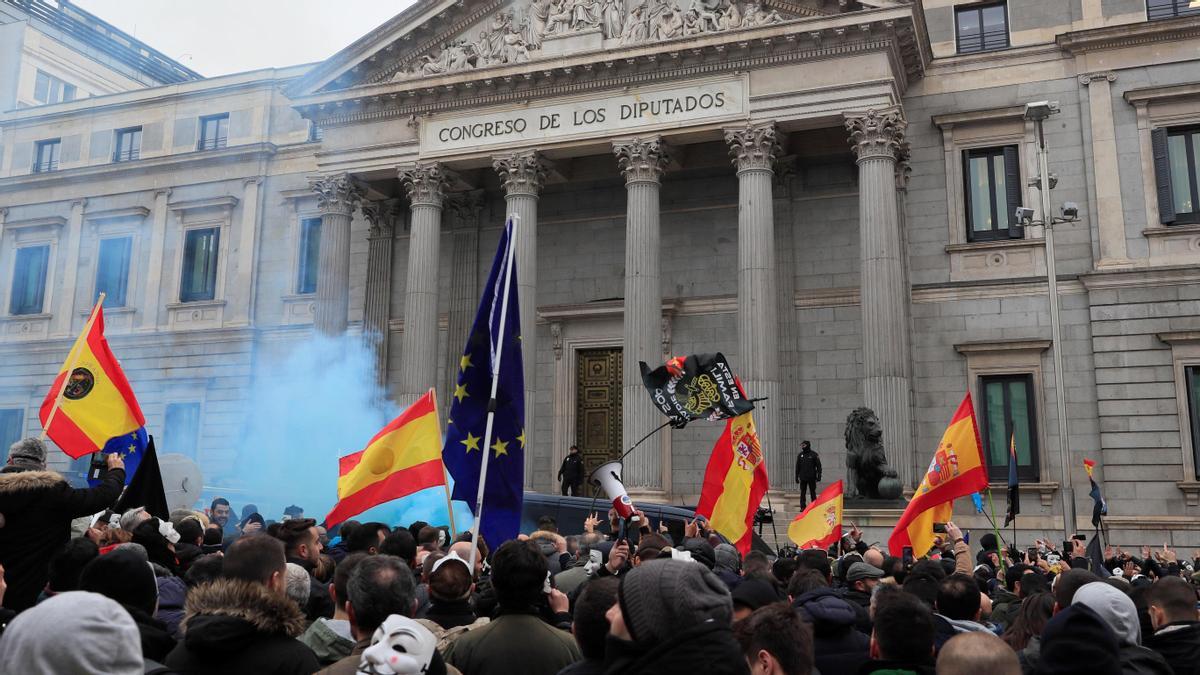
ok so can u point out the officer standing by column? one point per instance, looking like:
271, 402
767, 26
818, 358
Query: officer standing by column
808, 472
571, 472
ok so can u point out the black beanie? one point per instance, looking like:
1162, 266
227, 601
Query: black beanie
664, 597
1076, 640
123, 576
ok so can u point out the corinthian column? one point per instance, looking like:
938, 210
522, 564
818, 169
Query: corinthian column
876, 137
642, 161
522, 175
754, 149
337, 197
377, 308
426, 186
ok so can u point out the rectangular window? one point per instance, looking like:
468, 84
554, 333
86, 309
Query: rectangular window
310, 251
1192, 376
112, 270
1008, 413
1169, 9
11, 421
992, 189
1183, 152
49, 89
45, 156
214, 131
181, 429
29, 280
199, 280
981, 29
129, 144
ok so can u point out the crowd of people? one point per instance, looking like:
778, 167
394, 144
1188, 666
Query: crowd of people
203, 592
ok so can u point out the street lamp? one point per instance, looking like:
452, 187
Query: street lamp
1037, 113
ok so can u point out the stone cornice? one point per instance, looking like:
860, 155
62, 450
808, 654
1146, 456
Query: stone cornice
948, 120
1153, 94
1129, 35
993, 346
1137, 278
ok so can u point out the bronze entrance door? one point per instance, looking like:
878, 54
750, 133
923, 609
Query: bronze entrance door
598, 405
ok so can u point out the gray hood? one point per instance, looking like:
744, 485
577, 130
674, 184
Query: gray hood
1114, 607
99, 636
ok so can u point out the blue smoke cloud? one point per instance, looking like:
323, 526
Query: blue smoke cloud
311, 402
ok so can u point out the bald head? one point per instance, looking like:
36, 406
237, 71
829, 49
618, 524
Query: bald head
974, 653
874, 558
463, 549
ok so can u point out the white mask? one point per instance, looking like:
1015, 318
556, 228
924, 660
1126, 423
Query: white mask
400, 646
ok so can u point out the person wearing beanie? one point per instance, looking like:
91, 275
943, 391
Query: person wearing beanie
124, 577
728, 566
1077, 640
37, 506
672, 616
76, 632
751, 594
1118, 612
156, 536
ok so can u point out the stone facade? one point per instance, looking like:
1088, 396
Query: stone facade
830, 260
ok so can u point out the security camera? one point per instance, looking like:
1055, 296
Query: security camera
1040, 110
1070, 210
1023, 214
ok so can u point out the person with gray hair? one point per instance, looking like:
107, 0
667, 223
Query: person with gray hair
380, 586
297, 584
38, 506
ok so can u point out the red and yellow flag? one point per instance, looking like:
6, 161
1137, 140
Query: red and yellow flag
403, 458
97, 403
819, 525
734, 482
956, 470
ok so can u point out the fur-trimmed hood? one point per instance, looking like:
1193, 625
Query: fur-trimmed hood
219, 606
16, 481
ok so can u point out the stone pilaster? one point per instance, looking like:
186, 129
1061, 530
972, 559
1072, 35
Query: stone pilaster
242, 296
522, 175
337, 197
152, 300
754, 148
425, 183
381, 216
1110, 213
642, 161
876, 137
64, 313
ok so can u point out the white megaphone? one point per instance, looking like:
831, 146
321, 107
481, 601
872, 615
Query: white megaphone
608, 477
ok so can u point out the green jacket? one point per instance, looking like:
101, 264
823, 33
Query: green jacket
1004, 607
513, 643
325, 643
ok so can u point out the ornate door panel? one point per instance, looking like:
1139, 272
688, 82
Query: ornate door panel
598, 375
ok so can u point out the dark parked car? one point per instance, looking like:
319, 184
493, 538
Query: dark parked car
570, 512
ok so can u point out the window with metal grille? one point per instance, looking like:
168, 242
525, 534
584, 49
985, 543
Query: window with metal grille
1009, 417
214, 131
1169, 9
129, 144
45, 156
981, 28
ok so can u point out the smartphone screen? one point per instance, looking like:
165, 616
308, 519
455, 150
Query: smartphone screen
1068, 547
1033, 554
907, 556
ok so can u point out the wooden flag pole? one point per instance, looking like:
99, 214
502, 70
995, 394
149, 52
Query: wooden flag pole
72, 360
445, 474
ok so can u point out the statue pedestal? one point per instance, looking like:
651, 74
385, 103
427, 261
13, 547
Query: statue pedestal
588, 40
875, 517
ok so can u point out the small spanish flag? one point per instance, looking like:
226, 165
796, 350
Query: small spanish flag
95, 404
734, 482
819, 525
956, 470
403, 458
1099, 506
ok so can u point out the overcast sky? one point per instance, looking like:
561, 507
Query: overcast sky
216, 37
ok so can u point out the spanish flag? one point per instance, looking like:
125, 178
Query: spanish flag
90, 402
819, 525
403, 458
956, 470
734, 482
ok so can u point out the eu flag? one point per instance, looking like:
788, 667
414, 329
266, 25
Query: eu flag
131, 448
465, 428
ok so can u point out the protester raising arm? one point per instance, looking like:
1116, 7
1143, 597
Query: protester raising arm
86, 501
962, 550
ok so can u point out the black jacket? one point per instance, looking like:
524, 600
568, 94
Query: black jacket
38, 507
450, 613
571, 471
837, 646
240, 628
708, 648
1179, 644
808, 466
156, 638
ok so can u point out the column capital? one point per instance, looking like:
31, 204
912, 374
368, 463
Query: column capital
1102, 76
522, 172
80, 203
382, 216
876, 133
425, 183
337, 193
642, 160
753, 147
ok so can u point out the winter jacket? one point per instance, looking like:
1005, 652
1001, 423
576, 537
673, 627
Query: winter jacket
584, 667
707, 648
1138, 660
571, 471
1119, 613
156, 638
450, 613
329, 639
895, 668
1031, 657
837, 646
512, 639
808, 466
38, 507
349, 664
172, 593
945, 628
234, 627
1179, 644
1004, 606
861, 602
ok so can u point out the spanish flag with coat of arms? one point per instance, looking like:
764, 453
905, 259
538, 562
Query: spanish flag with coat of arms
819, 525
734, 482
956, 470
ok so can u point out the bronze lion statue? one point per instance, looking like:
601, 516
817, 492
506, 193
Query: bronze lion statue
866, 462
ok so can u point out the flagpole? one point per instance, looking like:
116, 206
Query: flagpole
491, 415
445, 474
72, 360
992, 508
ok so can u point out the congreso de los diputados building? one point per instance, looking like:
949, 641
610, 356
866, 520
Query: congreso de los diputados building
844, 197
